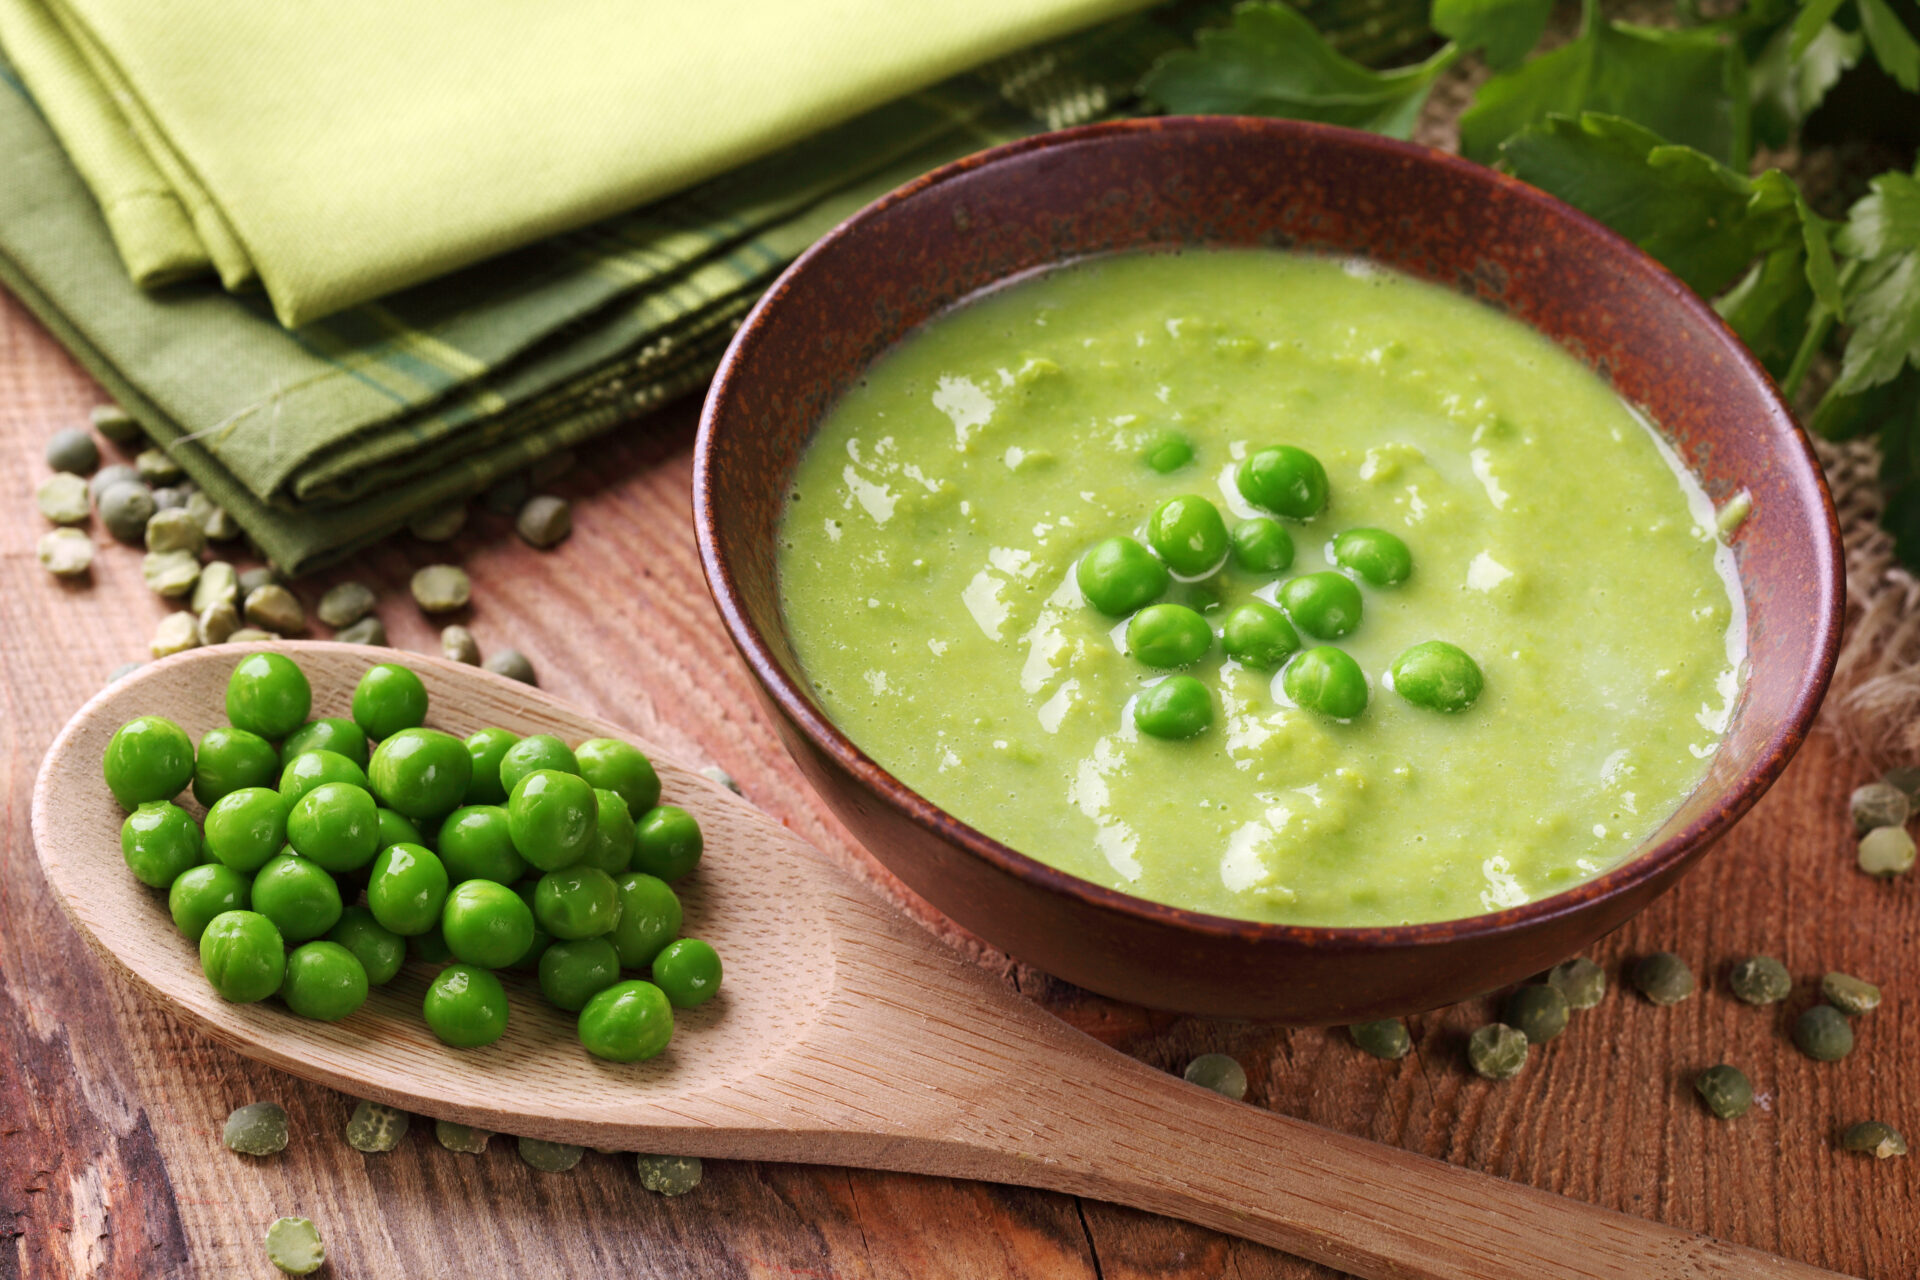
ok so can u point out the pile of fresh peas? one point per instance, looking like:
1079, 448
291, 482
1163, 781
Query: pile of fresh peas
540, 864
1187, 535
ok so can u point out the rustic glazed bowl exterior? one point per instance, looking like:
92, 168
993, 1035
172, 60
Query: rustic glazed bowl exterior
1242, 182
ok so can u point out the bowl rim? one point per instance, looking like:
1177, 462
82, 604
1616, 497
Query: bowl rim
1646, 863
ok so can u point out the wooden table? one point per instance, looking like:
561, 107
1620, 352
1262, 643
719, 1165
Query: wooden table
111, 1163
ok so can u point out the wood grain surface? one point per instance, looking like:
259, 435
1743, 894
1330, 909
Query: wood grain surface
110, 1157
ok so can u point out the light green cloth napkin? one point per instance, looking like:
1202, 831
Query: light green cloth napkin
336, 152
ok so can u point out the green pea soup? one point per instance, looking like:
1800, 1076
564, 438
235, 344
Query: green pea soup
927, 575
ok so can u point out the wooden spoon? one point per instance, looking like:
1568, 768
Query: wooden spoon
844, 1034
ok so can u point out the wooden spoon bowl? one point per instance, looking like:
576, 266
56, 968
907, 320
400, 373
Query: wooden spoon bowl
843, 1034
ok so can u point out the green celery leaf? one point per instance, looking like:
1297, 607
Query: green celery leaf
1787, 88
1770, 307
1886, 220
1883, 299
1272, 62
1894, 47
1705, 221
1690, 87
1814, 16
1505, 30
1895, 404
1822, 276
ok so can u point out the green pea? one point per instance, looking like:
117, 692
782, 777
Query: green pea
268, 695
628, 1022
476, 844
1119, 575
1386, 1038
578, 902
611, 765
572, 973
667, 842
379, 949
298, 895
650, 918
466, 1006
246, 827
407, 889
203, 892
486, 748
1438, 676
397, 828
316, 768
1168, 635
1284, 480
611, 849
541, 751
294, 1246
422, 773
389, 698
1325, 604
159, 840
1167, 452
1218, 1072
1257, 635
1188, 534
342, 737
1326, 680
324, 981
486, 923
149, 758
1374, 554
1177, 707
243, 956
1823, 1034
688, 971
1539, 1010
552, 817
230, 759
337, 825
1726, 1091
530, 962
1262, 545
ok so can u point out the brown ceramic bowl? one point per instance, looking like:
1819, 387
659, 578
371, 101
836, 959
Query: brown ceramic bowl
1225, 181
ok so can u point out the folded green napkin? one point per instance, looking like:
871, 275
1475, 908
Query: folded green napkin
337, 152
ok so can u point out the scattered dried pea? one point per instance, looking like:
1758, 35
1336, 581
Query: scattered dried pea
439, 524
115, 423
369, 630
214, 520
345, 604
1386, 1038
1850, 995
461, 1137
1726, 1091
293, 1245
1878, 804
275, 608
550, 1157
1907, 780
669, 1175
125, 508
72, 450
123, 670
108, 476
441, 588
512, 664
170, 574
545, 521
251, 580
1886, 851
1497, 1051
66, 553
1760, 980
458, 644
218, 584
1875, 1138
1663, 978
62, 498
1218, 1072
257, 1129
1540, 1011
374, 1128
172, 497
250, 635
176, 633
721, 776
1823, 1034
218, 621
175, 530
155, 467
1580, 980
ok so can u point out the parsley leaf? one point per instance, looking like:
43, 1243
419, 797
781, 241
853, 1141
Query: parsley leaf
1894, 47
1770, 306
1688, 86
1883, 301
1505, 30
1272, 62
1705, 221
1788, 86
